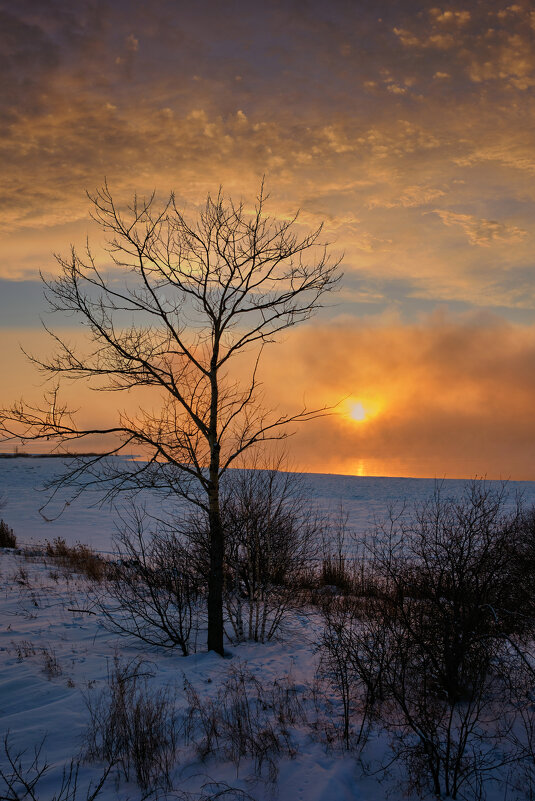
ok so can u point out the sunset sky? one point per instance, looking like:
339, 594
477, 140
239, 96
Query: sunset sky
407, 127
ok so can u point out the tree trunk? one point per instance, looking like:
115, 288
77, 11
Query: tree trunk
215, 576
217, 537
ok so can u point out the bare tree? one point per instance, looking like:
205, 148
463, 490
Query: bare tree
185, 301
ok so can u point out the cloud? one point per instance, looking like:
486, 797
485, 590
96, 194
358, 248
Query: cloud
396, 90
482, 232
361, 127
439, 41
449, 17
132, 43
411, 197
501, 52
505, 57
517, 155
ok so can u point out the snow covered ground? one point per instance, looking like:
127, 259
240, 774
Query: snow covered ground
56, 657
84, 520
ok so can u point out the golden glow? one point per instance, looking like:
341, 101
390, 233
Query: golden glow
360, 468
449, 396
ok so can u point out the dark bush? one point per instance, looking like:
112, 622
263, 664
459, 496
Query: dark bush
336, 570
336, 573
7, 537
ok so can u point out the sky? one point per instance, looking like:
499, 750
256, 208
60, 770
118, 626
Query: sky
407, 128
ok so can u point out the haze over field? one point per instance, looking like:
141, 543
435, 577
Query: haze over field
408, 128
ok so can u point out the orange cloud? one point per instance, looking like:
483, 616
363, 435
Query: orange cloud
449, 396
482, 232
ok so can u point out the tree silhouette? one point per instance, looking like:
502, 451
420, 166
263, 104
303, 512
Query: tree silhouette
183, 301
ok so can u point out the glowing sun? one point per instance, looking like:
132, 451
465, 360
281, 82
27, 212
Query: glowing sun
357, 411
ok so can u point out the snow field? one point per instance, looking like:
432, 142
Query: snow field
54, 654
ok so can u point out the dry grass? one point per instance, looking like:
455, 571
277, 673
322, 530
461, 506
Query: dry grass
245, 720
80, 558
133, 727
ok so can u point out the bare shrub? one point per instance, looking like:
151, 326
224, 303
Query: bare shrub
22, 577
352, 662
80, 558
133, 727
449, 610
520, 681
426, 654
245, 719
455, 749
7, 537
21, 778
522, 573
270, 541
152, 592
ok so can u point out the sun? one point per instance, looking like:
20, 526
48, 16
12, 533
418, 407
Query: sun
361, 410
357, 411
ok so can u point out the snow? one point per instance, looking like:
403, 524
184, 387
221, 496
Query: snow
35, 704
47, 621
365, 499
